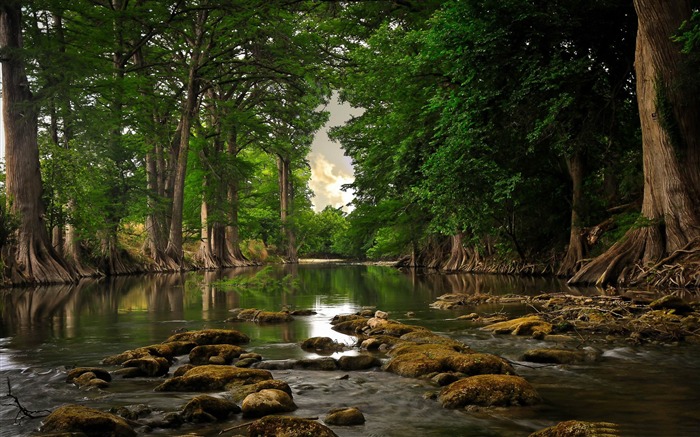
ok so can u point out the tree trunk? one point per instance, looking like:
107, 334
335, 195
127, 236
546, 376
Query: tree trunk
232, 233
671, 152
576, 250
286, 190
458, 254
32, 258
174, 248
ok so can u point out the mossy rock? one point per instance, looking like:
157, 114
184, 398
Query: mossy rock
213, 377
379, 342
521, 326
358, 362
149, 365
325, 363
345, 417
165, 350
211, 336
203, 354
489, 391
96, 371
351, 326
556, 356
205, 408
433, 348
416, 364
88, 421
282, 426
576, 428
478, 364
259, 316
342, 318
323, 344
240, 392
267, 401
396, 329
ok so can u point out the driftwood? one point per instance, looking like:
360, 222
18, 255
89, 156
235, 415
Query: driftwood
22, 411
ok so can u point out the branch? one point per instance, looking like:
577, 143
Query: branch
32, 414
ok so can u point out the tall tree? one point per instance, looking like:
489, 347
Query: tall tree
32, 257
670, 117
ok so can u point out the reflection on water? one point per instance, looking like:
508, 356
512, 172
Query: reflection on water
44, 330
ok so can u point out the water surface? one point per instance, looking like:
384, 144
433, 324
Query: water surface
648, 391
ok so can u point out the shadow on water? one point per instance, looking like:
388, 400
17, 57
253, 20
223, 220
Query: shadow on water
45, 330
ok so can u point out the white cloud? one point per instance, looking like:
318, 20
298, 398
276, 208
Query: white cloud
326, 181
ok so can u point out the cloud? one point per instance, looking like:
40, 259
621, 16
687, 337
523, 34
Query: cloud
326, 181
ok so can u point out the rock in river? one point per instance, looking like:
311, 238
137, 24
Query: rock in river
345, 417
575, 428
281, 426
489, 391
214, 377
267, 401
211, 336
86, 421
205, 408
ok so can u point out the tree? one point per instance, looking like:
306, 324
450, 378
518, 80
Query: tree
669, 227
31, 258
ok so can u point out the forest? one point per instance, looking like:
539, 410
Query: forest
556, 137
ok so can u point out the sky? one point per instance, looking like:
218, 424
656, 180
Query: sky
330, 168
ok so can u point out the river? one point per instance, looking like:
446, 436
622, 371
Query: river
650, 390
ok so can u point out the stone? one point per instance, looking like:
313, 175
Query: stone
183, 369
429, 337
129, 372
267, 401
342, 318
324, 344
470, 316
344, 417
488, 391
282, 426
165, 350
205, 408
240, 392
211, 336
381, 315
95, 371
576, 428
478, 364
521, 326
275, 364
89, 379
203, 354
395, 329
213, 377
133, 412
325, 363
88, 421
558, 356
358, 362
149, 365
259, 316
351, 326
246, 362
303, 313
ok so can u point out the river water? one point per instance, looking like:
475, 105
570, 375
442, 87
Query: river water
651, 390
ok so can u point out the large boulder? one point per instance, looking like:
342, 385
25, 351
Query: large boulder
213, 377
211, 336
345, 417
210, 353
281, 426
489, 391
575, 428
86, 421
240, 392
528, 325
165, 350
478, 364
205, 408
417, 360
267, 401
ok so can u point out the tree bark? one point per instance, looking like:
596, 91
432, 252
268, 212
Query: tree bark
286, 190
671, 153
32, 258
576, 250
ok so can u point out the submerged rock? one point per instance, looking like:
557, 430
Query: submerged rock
86, 421
205, 408
489, 391
575, 428
282, 426
345, 417
211, 336
323, 344
559, 356
213, 377
522, 326
267, 401
358, 362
